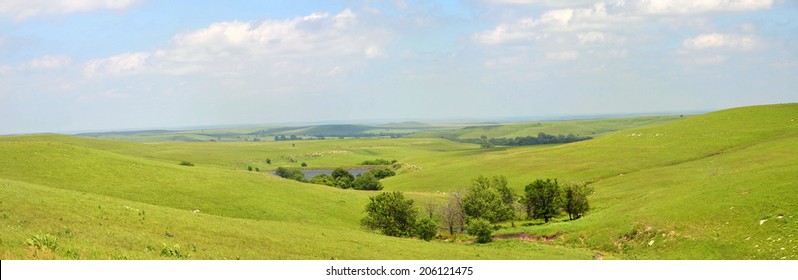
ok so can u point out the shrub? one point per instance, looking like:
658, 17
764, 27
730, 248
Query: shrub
323, 179
43, 242
426, 229
367, 182
378, 161
342, 178
304, 164
257, 169
249, 168
381, 173
480, 228
268, 161
290, 173
172, 252
186, 163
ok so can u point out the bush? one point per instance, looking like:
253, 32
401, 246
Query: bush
173, 252
391, 214
186, 163
378, 161
367, 182
342, 178
381, 173
290, 173
323, 179
249, 168
43, 242
426, 229
482, 229
304, 164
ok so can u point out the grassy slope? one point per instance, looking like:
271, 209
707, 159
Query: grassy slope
67, 189
704, 182
89, 226
576, 127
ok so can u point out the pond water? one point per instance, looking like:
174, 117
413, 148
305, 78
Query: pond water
310, 173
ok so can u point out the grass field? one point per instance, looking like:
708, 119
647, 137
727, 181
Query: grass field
716, 186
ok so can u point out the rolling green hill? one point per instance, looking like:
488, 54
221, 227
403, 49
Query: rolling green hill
715, 186
576, 127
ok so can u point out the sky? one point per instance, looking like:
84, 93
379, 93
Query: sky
91, 65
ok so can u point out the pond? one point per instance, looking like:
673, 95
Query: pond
310, 173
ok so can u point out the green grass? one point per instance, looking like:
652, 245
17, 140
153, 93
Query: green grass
691, 188
595, 127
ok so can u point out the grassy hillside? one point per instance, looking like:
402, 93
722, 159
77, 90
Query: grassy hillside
715, 186
576, 127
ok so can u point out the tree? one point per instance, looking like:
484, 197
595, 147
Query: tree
452, 212
304, 164
268, 161
382, 173
323, 179
542, 199
485, 142
507, 211
574, 198
367, 182
391, 213
290, 173
481, 228
426, 229
342, 178
484, 200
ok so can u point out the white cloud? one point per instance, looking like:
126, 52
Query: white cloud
705, 60
318, 44
564, 55
700, 6
591, 37
47, 62
23, 9
123, 64
554, 21
716, 41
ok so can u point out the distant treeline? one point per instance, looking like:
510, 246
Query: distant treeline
339, 136
541, 139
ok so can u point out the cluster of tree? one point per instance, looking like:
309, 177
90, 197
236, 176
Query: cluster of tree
342, 178
541, 139
257, 169
290, 137
488, 201
394, 215
547, 199
378, 161
292, 173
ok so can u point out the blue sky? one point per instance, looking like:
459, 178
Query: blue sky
85, 65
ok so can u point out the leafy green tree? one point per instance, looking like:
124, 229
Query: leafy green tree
268, 161
342, 178
381, 173
426, 229
304, 164
574, 199
392, 214
482, 229
485, 142
484, 200
542, 199
323, 179
249, 168
367, 182
290, 173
